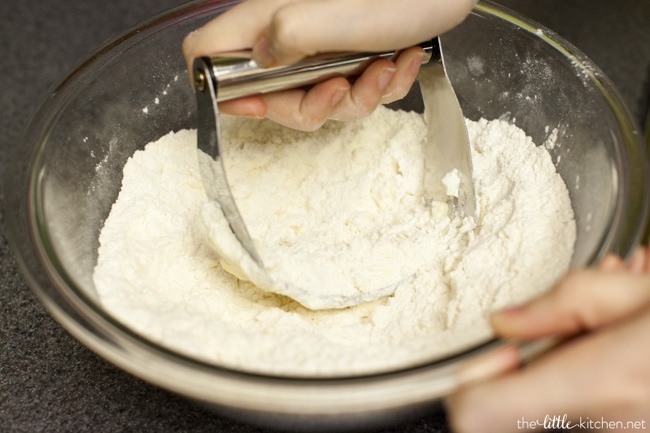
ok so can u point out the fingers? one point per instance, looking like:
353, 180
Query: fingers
638, 263
583, 300
306, 110
250, 106
407, 67
598, 375
382, 82
335, 99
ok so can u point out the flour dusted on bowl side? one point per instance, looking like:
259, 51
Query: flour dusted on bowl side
350, 188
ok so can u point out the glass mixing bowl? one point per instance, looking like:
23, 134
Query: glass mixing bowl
65, 174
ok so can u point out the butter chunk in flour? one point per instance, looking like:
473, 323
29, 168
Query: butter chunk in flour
336, 198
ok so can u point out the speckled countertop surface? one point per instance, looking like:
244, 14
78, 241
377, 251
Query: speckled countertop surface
48, 381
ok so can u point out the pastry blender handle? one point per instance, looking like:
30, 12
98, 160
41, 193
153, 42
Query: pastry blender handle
236, 74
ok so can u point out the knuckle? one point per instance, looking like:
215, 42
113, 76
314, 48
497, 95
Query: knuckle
286, 30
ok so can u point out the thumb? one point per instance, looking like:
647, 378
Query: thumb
236, 29
581, 301
302, 28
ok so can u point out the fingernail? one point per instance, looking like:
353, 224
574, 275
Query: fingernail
416, 63
503, 320
384, 78
188, 42
338, 95
253, 115
262, 53
637, 261
611, 262
510, 311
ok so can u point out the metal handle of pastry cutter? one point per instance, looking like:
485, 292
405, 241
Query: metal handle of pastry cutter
236, 74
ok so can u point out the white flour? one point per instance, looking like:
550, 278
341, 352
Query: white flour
338, 215
157, 274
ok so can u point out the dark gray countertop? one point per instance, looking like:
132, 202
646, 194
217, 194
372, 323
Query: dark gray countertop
48, 381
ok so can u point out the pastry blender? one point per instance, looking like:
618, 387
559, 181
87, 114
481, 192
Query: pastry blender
234, 75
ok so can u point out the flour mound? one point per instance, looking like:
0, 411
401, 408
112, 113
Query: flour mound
158, 275
337, 215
